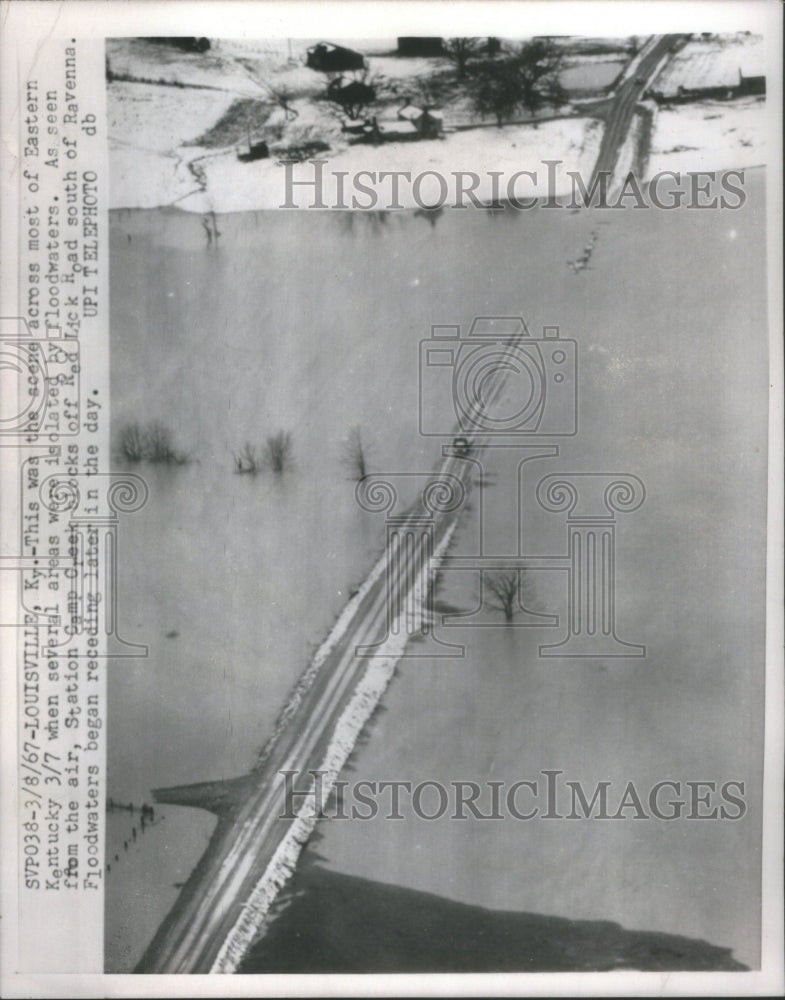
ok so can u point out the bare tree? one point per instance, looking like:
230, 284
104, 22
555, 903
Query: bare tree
526, 77
132, 443
247, 460
503, 587
158, 446
281, 93
355, 457
151, 443
352, 97
283, 97
460, 50
278, 451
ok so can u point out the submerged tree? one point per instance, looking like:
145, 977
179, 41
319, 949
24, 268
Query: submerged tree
151, 443
132, 442
159, 447
503, 590
247, 460
278, 451
355, 457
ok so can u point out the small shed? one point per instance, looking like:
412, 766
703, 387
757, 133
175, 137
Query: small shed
353, 127
411, 113
258, 150
392, 131
328, 58
428, 123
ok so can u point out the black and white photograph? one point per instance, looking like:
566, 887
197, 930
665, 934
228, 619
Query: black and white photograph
422, 615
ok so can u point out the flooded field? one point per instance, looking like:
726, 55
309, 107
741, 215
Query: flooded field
591, 75
291, 323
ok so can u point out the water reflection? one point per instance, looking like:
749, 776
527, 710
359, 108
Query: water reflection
375, 221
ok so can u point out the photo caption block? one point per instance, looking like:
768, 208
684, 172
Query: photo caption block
55, 437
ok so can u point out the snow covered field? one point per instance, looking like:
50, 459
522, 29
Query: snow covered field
163, 102
153, 127
709, 135
153, 162
232, 186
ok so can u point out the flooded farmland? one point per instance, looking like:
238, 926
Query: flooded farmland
231, 580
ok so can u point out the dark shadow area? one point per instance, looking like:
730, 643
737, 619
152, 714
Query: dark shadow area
329, 922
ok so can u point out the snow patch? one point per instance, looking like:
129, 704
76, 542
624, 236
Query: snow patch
709, 135
232, 186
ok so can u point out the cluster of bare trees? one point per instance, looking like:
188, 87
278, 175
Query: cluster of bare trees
153, 443
354, 96
276, 454
503, 80
503, 589
150, 443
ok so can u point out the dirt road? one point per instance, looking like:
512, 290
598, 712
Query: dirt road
628, 93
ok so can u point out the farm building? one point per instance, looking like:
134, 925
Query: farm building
429, 124
186, 44
414, 46
392, 131
720, 66
752, 81
257, 150
328, 58
411, 124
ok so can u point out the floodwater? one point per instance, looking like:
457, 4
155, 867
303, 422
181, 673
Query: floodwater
591, 76
311, 322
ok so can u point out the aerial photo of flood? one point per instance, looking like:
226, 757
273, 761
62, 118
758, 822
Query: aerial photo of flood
452, 570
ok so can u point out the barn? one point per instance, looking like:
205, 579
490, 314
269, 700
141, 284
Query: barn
328, 58
416, 46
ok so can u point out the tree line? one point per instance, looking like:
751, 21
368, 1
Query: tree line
501, 79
